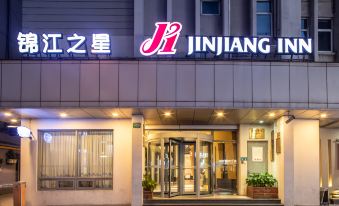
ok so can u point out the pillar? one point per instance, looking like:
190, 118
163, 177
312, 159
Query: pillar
290, 17
226, 17
137, 159
298, 162
197, 16
138, 25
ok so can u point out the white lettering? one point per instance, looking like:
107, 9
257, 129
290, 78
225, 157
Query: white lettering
305, 46
250, 45
291, 46
190, 45
101, 44
75, 48
54, 38
264, 46
236, 44
28, 43
207, 43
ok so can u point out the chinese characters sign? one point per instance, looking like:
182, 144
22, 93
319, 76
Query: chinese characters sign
29, 44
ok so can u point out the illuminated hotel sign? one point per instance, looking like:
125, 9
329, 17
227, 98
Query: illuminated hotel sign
166, 35
163, 42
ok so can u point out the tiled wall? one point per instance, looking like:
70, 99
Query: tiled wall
169, 84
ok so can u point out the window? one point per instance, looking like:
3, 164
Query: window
210, 7
304, 28
325, 35
264, 18
75, 159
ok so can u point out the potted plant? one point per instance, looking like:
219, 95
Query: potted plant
262, 185
148, 184
11, 157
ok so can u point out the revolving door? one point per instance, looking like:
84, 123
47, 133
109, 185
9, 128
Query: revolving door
172, 162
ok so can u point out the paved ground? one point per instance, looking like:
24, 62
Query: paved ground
6, 200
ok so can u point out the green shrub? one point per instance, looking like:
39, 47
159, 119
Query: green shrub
148, 183
261, 180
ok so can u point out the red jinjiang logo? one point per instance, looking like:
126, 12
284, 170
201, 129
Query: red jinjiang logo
163, 41
166, 36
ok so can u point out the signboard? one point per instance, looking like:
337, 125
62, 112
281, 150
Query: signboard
257, 133
136, 125
163, 42
257, 154
166, 34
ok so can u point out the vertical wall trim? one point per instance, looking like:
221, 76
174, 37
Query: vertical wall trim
226, 17
329, 169
314, 26
169, 10
138, 25
253, 16
197, 17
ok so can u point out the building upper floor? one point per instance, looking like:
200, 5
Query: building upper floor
61, 24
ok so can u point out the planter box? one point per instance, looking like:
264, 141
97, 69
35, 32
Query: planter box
148, 195
262, 192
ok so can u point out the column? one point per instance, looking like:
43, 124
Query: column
226, 17
162, 169
169, 10
138, 25
197, 166
254, 17
314, 27
298, 164
197, 16
290, 16
137, 159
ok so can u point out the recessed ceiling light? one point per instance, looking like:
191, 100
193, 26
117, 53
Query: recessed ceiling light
167, 114
323, 115
261, 121
220, 114
8, 114
272, 114
114, 114
14, 120
63, 115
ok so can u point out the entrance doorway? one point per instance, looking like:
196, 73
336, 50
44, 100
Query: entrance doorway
183, 172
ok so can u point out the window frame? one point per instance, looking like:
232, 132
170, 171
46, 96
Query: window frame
77, 177
307, 29
270, 13
326, 30
219, 7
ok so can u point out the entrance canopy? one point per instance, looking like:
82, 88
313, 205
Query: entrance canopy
171, 116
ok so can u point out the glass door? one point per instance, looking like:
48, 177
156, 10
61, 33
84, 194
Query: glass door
205, 167
225, 157
188, 168
172, 161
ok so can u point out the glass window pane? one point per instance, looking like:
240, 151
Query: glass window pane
210, 7
264, 24
304, 24
324, 24
324, 41
96, 152
58, 153
304, 34
263, 6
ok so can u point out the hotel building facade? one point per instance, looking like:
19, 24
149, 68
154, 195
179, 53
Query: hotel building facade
106, 111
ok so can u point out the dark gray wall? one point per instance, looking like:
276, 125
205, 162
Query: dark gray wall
10, 25
155, 10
